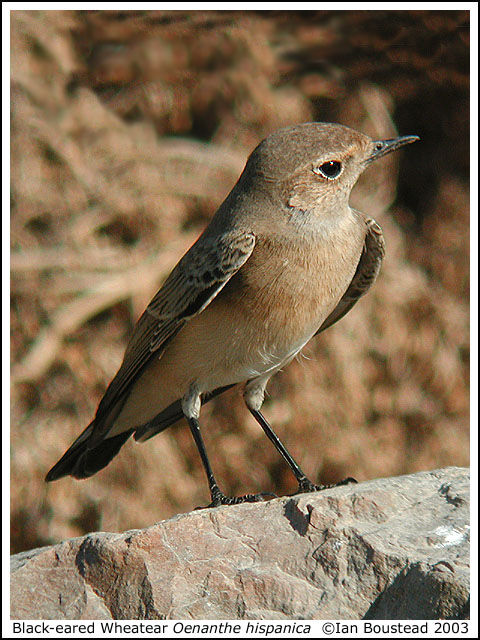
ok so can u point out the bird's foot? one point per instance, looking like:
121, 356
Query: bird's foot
306, 486
348, 480
219, 498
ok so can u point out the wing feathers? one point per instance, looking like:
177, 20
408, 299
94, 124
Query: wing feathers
195, 281
207, 266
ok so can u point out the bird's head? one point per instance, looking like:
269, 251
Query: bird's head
314, 166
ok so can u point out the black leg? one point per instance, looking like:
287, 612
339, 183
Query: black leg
217, 496
304, 484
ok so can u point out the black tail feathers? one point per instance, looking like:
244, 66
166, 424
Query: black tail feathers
81, 460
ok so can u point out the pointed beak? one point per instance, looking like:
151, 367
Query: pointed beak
382, 147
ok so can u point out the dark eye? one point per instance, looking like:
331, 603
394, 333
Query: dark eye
330, 170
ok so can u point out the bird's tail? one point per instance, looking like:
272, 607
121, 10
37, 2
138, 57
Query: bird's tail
82, 459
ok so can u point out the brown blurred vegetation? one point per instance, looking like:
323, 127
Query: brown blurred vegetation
128, 130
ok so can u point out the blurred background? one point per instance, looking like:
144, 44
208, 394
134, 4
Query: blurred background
128, 128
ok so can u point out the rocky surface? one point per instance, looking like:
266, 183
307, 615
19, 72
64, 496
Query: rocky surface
393, 548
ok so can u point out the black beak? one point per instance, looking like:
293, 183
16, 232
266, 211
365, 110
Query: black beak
382, 147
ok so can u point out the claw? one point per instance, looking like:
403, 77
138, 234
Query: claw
306, 486
220, 498
348, 480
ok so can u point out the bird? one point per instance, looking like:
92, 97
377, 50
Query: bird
284, 258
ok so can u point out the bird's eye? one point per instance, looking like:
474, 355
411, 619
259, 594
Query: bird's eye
330, 170
379, 146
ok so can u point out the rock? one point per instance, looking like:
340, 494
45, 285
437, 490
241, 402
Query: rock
393, 548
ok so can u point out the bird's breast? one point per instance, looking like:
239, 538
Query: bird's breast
288, 289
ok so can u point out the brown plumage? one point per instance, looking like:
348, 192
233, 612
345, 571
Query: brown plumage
284, 258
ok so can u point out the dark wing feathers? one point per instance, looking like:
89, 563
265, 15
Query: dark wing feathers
194, 282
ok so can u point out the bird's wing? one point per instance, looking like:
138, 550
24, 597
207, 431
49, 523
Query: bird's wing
194, 282
365, 275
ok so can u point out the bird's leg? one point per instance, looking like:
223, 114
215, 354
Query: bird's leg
191, 408
304, 484
218, 497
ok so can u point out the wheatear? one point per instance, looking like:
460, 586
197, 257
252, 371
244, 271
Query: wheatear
284, 258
